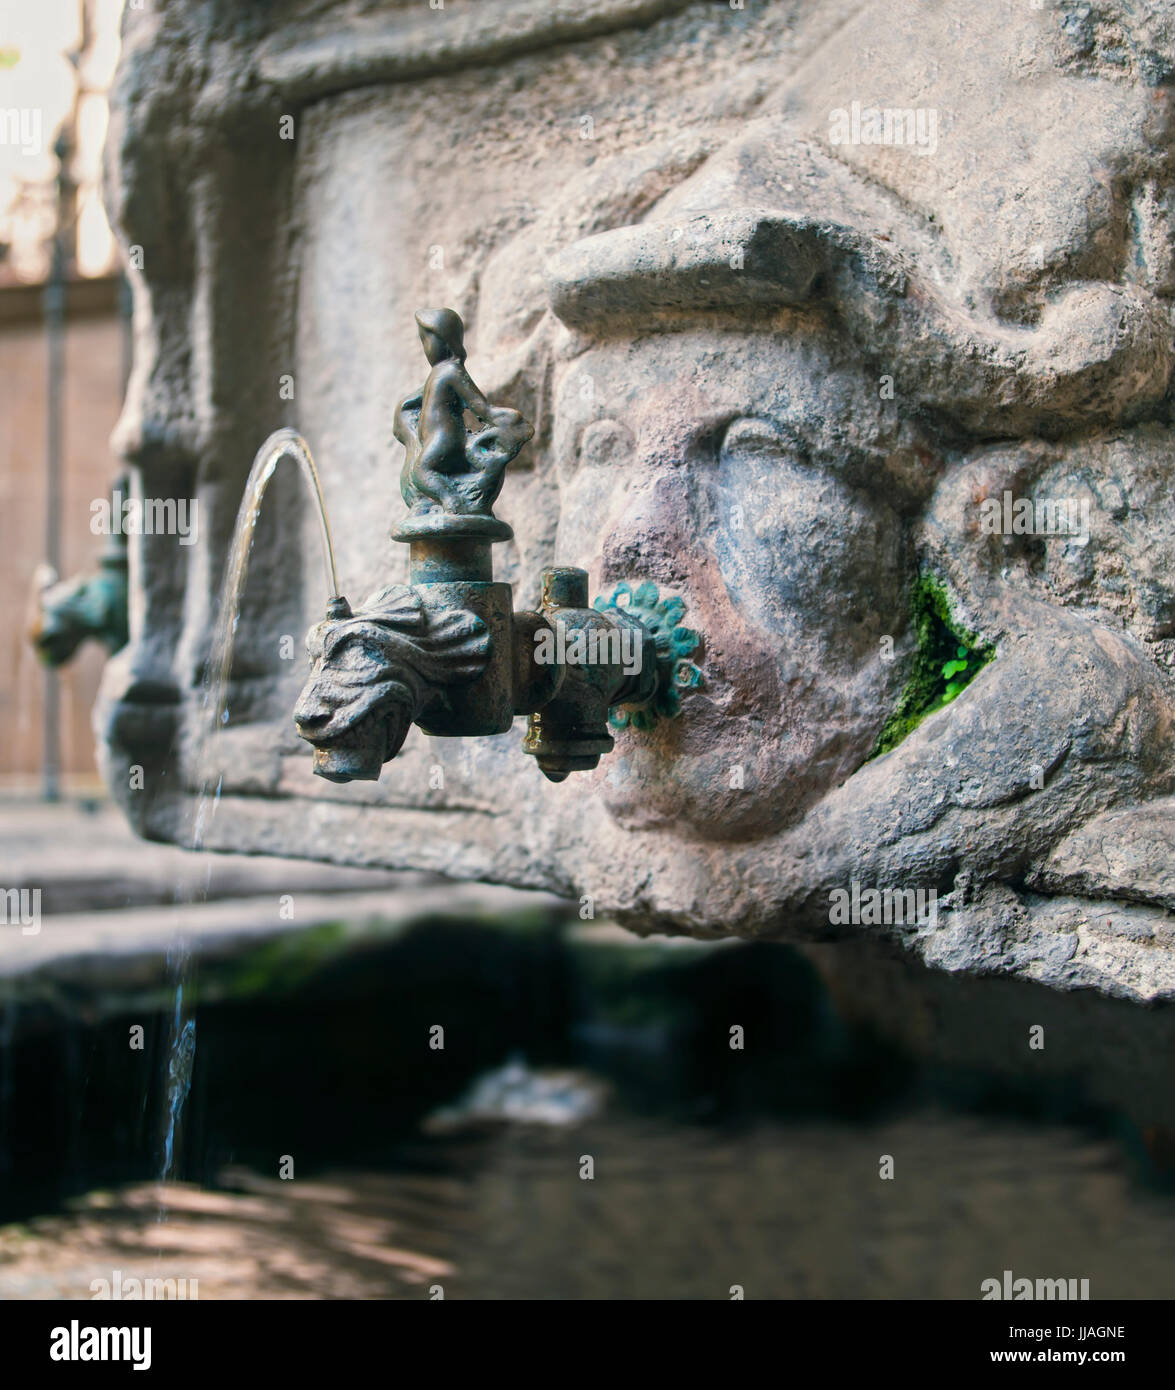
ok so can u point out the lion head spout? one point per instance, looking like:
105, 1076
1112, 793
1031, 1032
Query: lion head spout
375, 671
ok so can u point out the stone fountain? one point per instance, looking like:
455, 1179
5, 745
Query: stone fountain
848, 328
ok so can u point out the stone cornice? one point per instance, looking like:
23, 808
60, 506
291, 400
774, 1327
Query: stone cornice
309, 63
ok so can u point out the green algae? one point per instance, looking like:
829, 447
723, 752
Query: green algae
946, 660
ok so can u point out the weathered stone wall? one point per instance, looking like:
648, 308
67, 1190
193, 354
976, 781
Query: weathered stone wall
780, 350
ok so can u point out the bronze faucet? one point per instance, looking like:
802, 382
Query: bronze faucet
91, 605
447, 651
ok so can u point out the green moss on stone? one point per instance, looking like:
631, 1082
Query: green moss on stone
273, 968
947, 659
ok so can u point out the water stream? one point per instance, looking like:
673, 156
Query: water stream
181, 1051
180, 1056
281, 444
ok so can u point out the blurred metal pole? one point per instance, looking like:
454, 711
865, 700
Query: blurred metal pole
54, 439
60, 263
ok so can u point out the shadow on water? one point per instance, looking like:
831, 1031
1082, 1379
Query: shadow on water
766, 1155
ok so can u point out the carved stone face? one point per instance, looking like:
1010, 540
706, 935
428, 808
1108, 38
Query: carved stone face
1003, 281
726, 486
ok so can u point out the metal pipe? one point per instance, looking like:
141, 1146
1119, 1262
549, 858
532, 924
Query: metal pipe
54, 446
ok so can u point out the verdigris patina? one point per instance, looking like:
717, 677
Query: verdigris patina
89, 607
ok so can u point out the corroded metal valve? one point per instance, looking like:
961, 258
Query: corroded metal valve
92, 605
447, 651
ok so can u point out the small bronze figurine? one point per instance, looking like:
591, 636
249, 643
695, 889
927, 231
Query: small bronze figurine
447, 467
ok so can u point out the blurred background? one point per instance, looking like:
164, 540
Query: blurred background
280, 1079
64, 357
